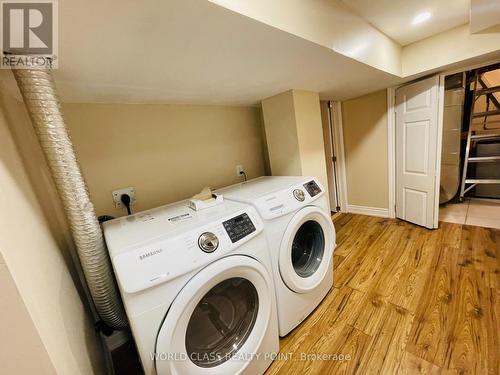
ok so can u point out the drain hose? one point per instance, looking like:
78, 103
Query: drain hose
39, 94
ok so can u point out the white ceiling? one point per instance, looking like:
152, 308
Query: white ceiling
196, 52
394, 17
192, 51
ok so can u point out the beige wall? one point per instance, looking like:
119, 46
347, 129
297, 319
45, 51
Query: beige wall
281, 135
310, 135
294, 135
36, 252
166, 152
365, 143
20, 338
450, 47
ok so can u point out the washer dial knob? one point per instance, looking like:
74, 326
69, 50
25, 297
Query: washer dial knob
299, 195
208, 242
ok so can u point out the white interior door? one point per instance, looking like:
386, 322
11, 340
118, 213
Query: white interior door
416, 152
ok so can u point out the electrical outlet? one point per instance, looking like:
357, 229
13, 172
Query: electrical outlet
239, 169
117, 194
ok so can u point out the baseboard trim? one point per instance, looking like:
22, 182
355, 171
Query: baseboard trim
365, 210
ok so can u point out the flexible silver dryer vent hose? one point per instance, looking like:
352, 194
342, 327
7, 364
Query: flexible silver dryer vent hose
39, 94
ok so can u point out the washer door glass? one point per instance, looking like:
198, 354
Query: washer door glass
221, 322
308, 247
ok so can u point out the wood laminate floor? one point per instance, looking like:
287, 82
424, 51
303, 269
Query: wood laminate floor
405, 300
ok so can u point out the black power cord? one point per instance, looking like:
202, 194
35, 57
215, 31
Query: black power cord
125, 198
104, 218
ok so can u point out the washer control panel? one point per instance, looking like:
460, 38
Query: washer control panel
312, 188
239, 227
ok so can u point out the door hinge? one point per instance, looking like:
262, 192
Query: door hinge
334, 159
330, 104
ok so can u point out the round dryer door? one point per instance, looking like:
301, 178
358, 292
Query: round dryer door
218, 320
306, 249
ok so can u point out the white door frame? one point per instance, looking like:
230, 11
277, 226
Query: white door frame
391, 136
439, 146
338, 137
391, 149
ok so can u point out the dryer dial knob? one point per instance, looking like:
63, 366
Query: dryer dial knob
208, 242
299, 195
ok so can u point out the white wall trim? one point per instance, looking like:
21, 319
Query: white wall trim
439, 146
340, 153
391, 151
365, 210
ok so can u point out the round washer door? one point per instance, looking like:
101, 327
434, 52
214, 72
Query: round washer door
218, 320
306, 249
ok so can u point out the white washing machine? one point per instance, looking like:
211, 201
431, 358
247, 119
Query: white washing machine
301, 239
197, 288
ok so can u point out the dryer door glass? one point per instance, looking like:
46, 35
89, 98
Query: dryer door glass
307, 248
221, 322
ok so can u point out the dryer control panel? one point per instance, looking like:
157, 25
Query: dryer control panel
290, 199
312, 188
239, 227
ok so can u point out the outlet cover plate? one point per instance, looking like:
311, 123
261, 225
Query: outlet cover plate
119, 192
239, 169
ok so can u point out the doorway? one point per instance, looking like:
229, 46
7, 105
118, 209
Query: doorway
470, 155
466, 198
335, 166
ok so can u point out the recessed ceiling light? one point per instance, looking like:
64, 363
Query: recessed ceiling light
422, 17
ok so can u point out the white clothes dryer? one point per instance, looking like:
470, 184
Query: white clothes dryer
301, 239
197, 288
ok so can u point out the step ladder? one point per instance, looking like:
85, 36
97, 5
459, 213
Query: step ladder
473, 139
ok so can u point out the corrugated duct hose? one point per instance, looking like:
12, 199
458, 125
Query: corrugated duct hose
39, 94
